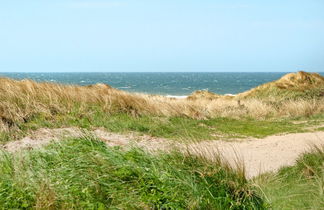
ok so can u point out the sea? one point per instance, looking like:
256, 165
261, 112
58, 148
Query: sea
168, 84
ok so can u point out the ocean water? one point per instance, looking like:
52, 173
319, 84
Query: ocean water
175, 84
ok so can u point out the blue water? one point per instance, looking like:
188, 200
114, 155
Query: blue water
160, 83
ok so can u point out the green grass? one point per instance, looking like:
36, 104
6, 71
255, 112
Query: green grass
320, 129
168, 127
287, 94
178, 128
254, 128
297, 187
85, 174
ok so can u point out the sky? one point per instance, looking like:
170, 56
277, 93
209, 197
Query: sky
161, 36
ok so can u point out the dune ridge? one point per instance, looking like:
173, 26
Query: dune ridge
298, 84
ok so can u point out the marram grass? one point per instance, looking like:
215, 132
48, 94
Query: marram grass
24, 104
20, 101
85, 174
296, 187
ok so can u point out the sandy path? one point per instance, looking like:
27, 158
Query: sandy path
257, 155
262, 155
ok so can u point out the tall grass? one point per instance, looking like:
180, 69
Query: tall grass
297, 187
21, 101
85, 174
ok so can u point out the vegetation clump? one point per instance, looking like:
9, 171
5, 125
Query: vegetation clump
203, 94
297, 187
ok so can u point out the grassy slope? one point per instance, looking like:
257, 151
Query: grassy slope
292, 86
297, 187
286, 94
84, 173
180, 128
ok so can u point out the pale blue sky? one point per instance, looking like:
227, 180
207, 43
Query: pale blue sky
166, 35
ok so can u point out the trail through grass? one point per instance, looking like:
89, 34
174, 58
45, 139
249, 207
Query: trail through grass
179, 128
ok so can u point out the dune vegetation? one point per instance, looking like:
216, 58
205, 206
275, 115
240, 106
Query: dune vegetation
85, 173
296, 187
26, 105
292, 86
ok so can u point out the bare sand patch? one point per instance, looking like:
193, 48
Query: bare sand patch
41, 137
261, 155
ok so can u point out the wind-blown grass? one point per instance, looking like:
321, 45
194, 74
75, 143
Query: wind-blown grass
297, 187
23, 103
85, 174
21, 100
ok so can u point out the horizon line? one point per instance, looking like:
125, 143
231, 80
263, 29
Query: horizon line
163, 72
